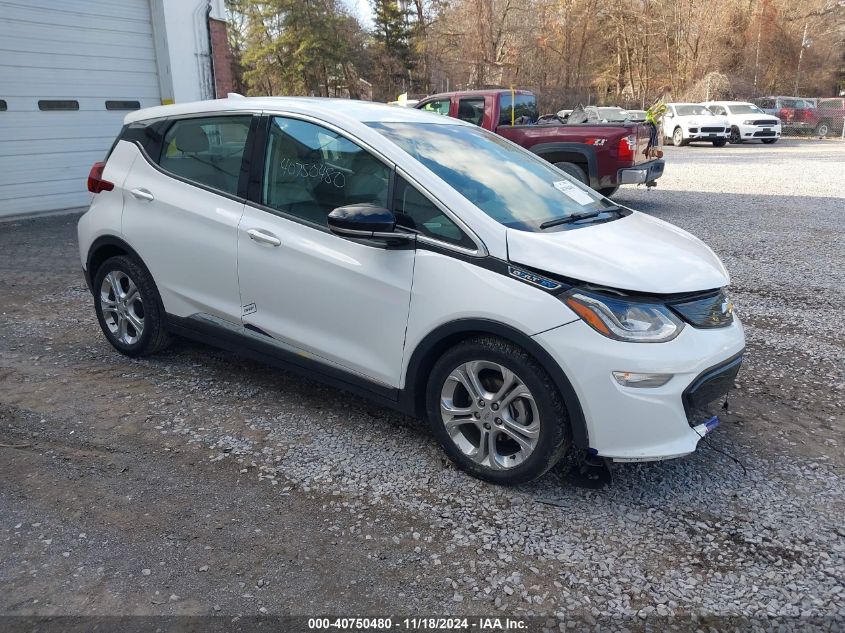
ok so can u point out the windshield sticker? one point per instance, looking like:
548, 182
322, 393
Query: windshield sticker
573, 192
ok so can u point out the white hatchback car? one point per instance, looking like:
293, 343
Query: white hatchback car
419, 260
748, 122
687, 122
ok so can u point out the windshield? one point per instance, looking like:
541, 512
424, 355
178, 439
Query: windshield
745, 108
612, 114
509, 184
692, 110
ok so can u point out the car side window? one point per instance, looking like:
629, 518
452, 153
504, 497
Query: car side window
471, 110
440, 106
416, 212
311, 170
207, 150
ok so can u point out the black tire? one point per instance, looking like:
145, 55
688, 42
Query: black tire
769, 141
149, 314
608, 191
678, 138
554, 435
735, 138
575, 171
719, 143
823, 129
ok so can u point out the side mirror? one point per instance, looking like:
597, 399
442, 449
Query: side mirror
366, 221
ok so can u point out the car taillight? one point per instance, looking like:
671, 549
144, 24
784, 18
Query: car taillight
96, 184
627, 147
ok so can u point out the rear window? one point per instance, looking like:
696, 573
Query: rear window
207, 151
519, 108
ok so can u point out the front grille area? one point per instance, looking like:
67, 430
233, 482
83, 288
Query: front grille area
703, 398
712, 129
765, 133
709, 311
764, 122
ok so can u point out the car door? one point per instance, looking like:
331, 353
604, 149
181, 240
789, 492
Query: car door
340, 302
181, 214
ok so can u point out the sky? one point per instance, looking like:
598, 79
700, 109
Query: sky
362, 9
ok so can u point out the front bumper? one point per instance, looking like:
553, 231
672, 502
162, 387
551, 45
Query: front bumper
642, 173
749, 132
701, 135
646, 424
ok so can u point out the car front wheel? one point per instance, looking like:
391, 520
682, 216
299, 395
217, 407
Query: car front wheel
496, 412
129, 308
678, 137
735, 136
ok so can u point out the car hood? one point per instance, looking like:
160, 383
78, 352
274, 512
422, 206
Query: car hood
637, 253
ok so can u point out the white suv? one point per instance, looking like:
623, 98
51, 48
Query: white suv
419, 260
687, 122
747, 121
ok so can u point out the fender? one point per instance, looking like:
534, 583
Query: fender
108, 241
412, 398
588, 152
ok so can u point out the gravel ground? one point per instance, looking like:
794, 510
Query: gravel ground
198, 483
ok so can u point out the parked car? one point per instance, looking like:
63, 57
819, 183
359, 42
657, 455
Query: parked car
831, 116
748, 122
637, 116
796, 115
606, 114
687, 122
601, 155
420, 261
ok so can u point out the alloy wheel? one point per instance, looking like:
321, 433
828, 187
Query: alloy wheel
678, 137
490, 414
122, 306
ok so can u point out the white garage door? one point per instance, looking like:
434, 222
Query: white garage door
69, 69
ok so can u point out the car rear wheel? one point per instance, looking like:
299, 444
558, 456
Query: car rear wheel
128, 307
769, 141
823, 129
496, 412
678, 137
575, 171
735, 138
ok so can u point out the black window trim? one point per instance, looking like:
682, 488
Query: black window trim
166, 123
256, 183
480, 250
259, 156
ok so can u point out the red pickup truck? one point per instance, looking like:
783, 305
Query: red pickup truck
601, 155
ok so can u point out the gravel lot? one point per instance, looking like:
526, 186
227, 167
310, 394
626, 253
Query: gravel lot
195, 482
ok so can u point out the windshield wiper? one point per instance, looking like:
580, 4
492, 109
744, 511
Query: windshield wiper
576, 217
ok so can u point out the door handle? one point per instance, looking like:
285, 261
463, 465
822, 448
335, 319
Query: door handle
263, 238
142, 194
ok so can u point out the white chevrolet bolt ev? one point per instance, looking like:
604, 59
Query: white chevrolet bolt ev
421, 261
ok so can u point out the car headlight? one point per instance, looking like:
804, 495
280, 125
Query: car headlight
624, 320
748, 122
